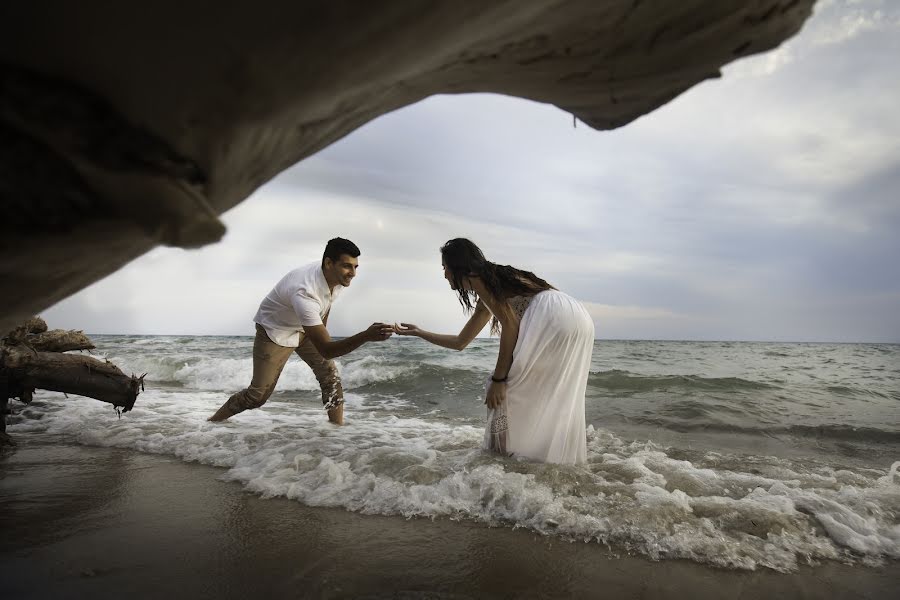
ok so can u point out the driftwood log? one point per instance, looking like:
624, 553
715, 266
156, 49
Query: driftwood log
31, 357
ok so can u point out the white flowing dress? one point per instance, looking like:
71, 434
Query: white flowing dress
543, 416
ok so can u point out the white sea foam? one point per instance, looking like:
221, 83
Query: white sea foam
632, 496
232, 374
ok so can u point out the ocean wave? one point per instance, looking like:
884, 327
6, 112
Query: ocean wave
857, 392
232, 374
617, 380
428, 378
825, 431
731, 511
373, 372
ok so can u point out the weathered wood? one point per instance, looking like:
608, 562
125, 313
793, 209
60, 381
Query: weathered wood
59, 340
33, 333
32, 357
35, 325
28, 369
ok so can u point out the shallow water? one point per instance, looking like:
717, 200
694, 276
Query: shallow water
740, 455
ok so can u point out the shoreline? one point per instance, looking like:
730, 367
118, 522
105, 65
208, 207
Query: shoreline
101, 522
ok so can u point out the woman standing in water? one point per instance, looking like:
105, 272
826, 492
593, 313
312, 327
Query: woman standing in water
535, 397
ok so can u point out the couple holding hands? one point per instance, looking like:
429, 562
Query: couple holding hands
535, 395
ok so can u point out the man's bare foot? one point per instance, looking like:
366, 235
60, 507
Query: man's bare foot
336, 414
222, 414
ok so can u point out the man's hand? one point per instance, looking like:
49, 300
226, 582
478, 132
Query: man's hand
407, 329
496, 395
378, 332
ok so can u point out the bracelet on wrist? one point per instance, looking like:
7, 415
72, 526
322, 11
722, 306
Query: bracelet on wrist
503, 380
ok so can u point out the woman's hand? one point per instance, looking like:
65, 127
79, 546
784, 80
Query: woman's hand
496, 395
407, 329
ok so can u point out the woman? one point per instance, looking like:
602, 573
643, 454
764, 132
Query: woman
535, 395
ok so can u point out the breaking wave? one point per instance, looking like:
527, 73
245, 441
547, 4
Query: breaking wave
741, 512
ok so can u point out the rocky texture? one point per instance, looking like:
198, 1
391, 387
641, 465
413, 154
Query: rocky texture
128, 125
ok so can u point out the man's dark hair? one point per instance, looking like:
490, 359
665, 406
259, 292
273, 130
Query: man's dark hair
338, 246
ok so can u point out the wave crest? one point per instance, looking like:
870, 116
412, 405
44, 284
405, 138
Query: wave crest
617, 380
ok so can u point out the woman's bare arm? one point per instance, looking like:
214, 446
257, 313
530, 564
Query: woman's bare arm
475, 324
509, 335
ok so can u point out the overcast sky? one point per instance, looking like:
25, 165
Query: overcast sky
764, 205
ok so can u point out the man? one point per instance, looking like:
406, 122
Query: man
292, 318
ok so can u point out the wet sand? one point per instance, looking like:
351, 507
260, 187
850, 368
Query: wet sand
82, 522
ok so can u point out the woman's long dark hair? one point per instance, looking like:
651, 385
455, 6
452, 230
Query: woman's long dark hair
464, 259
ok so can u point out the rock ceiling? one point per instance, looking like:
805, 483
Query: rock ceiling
126, 125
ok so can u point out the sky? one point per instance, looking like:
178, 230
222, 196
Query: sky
761, 206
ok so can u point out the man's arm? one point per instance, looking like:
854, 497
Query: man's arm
329, 348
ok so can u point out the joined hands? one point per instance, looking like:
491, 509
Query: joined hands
406, 329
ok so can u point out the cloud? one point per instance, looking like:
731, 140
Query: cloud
844, 20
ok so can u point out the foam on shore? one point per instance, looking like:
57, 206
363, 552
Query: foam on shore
733, 511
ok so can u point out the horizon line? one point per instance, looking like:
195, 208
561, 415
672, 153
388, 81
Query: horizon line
596, 339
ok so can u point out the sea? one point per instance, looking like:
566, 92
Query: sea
737, 455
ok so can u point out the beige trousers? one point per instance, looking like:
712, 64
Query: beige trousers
268, 361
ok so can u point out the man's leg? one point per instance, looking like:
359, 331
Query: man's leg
327, 375
268, 361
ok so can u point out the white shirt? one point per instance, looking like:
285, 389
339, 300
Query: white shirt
301, 299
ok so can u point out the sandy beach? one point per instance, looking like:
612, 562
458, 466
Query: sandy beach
83, 522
